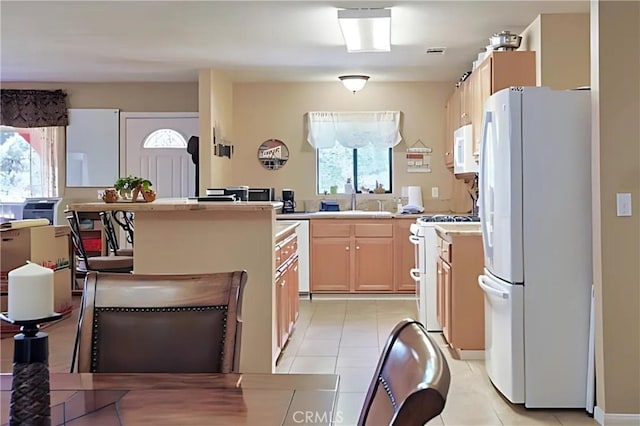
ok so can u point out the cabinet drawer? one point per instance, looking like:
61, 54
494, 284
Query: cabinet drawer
330, 229
374, 230
445, 251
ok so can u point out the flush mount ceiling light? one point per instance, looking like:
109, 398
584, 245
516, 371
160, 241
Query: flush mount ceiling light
354, 83
366, 30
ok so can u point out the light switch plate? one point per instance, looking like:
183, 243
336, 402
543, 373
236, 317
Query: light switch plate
435, 193
623, 204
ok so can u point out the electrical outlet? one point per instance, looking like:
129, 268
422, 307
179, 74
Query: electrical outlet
435, 193
623, 204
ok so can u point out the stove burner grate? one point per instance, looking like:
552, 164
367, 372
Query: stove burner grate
448, 218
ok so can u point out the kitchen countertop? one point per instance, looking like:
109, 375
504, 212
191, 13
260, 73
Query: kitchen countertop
175, 204
459, 228
348, 214
282, 229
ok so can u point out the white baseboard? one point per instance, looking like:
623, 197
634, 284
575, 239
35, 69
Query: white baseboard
606, 419
361, 296
470, 354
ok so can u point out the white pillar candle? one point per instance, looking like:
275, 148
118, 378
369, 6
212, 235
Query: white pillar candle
30, 292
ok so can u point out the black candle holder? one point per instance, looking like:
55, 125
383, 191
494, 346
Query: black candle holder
30, 399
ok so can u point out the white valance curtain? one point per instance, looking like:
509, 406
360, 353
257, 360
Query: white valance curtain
354, 129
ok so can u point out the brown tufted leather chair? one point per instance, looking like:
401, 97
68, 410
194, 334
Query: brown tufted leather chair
189, 323
411, 381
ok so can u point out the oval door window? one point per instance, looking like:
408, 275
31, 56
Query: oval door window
273, 154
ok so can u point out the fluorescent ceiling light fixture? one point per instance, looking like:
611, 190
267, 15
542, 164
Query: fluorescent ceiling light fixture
366, 30
354, 83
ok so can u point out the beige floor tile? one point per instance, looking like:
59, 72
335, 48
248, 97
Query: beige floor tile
313, 365
355, 379
319, 332
320, 347
436, 421
349, 407
284, 364
515, 416
355, 339
574, 418
466, 408
358, 357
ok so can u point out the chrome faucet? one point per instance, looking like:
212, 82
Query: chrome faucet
379, 205
353, 200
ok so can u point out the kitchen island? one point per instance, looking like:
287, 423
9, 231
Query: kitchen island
187, 236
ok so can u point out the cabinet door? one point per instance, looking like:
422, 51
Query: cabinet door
373, 264
481, 91
448, 326
405, 257
439, 293
293, 293
281, 335
465, 102
330, 264
448, 134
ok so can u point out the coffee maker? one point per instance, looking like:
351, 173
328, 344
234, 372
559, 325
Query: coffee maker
289, 203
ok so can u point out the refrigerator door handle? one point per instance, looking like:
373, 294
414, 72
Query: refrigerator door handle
415, 274
414, 240
487, 288
484, 202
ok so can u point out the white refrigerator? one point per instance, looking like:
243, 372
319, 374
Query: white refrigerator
535, 210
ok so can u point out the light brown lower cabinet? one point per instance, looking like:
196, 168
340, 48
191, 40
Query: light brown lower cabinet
350, 256
286, 291
460, 301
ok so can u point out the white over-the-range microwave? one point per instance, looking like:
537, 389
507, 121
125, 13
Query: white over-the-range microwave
463, 161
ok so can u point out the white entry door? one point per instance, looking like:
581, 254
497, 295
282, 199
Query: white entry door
155, 146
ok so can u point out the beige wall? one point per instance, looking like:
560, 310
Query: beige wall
531, 40
215, 101
561, 43
127, 97
263, 111
615, 67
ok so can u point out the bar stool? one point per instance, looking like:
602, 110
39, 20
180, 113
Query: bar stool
112, 238
95, 263
125, 222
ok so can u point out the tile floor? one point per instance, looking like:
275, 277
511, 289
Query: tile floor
345, 337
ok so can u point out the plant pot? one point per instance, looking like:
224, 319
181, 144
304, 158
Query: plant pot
149, 195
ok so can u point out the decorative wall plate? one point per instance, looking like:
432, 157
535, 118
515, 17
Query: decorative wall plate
273, 154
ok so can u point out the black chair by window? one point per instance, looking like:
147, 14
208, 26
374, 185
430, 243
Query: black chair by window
125, 220
94, 263
411, 381
112, 237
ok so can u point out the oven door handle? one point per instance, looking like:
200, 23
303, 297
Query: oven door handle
414, 240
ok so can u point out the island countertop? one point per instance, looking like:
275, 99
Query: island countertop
459, 228
175, 204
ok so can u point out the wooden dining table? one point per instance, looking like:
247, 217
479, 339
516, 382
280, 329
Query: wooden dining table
186, 399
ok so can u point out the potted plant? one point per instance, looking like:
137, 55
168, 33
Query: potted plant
131, 186
124, 186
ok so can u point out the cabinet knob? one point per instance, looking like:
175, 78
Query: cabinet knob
357, 247
282, 283
347, 248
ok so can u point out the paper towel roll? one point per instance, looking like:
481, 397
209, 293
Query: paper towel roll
415, 196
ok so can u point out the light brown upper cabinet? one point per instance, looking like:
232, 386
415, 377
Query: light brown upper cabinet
499, 71
465, 106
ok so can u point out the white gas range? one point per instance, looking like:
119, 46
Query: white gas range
423, 236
